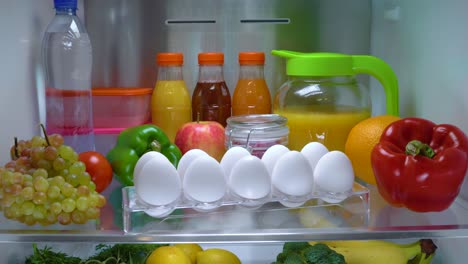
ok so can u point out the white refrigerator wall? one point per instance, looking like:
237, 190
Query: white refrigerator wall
425, 42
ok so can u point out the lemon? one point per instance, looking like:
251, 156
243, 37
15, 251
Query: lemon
168, 255
217, 255
191, 250
361, 141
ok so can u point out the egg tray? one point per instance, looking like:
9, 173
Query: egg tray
349, 209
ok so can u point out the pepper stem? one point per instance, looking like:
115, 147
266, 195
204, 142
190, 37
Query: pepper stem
155, 146
416, 147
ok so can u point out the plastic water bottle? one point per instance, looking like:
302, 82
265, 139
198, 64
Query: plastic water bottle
67, 55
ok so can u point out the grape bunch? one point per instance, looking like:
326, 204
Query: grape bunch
45, 183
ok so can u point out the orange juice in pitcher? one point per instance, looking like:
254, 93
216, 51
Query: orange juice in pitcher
322, 99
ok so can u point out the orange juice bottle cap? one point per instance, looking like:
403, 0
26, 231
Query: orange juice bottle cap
211, 58
251, 58
170, 59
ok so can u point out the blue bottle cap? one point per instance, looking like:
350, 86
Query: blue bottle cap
71, 4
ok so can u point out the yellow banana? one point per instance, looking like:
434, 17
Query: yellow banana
374, 251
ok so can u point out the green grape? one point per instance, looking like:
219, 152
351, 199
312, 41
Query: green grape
27, 193
18, 178
19, 199
40, 184
82, 203
37, 141
93, 213
53, 192
92, 186
40, 172
73, 179
82, 191
55, 208
59, 164
50, 153
66, 152
39, 213
78, 217
57, 181
93, 200
44, 164
29, 220
68, 205
101, 201
64, 172
56, 140
8, 213
64, 218
67, 189
17, 212
27, 208
27, 177
84, 178
39, 198
74, 157
77, 168
7, 178
7, 200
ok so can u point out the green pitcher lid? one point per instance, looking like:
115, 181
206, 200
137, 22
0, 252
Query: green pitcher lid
336, 64
316, 64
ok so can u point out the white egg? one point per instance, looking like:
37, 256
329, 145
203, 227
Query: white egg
313, 151
334, 174
142, 161
204, 180
272, 154
187, 159
158, 182
230, 158
250, 178
292, 175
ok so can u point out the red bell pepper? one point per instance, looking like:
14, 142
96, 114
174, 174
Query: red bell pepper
420, 165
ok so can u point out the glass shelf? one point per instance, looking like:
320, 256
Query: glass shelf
341, 221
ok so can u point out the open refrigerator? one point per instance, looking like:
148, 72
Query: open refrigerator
424, 41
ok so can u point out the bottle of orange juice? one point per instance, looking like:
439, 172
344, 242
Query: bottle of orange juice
251, 95
170, 102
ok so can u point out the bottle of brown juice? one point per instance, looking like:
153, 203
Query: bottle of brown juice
211, 100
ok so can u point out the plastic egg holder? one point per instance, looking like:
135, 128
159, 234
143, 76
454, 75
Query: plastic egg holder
230, 197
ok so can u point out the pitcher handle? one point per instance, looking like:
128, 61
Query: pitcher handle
379, 69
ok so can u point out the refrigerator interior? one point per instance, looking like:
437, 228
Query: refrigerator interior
424, 41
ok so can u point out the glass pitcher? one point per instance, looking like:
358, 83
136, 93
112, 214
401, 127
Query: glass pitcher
322, 99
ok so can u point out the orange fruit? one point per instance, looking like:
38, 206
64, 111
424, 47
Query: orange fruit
361, 140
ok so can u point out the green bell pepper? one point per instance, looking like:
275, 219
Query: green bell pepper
132, 143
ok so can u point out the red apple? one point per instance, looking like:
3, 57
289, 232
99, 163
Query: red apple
205, 135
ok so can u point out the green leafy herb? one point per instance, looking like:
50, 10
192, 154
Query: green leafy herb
46, 255
106, 254
122, 253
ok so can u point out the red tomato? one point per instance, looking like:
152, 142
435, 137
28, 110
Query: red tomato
98, 167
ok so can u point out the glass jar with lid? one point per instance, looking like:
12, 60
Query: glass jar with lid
256, 133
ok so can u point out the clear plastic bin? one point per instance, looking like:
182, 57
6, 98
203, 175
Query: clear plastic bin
121, 107
315, 213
